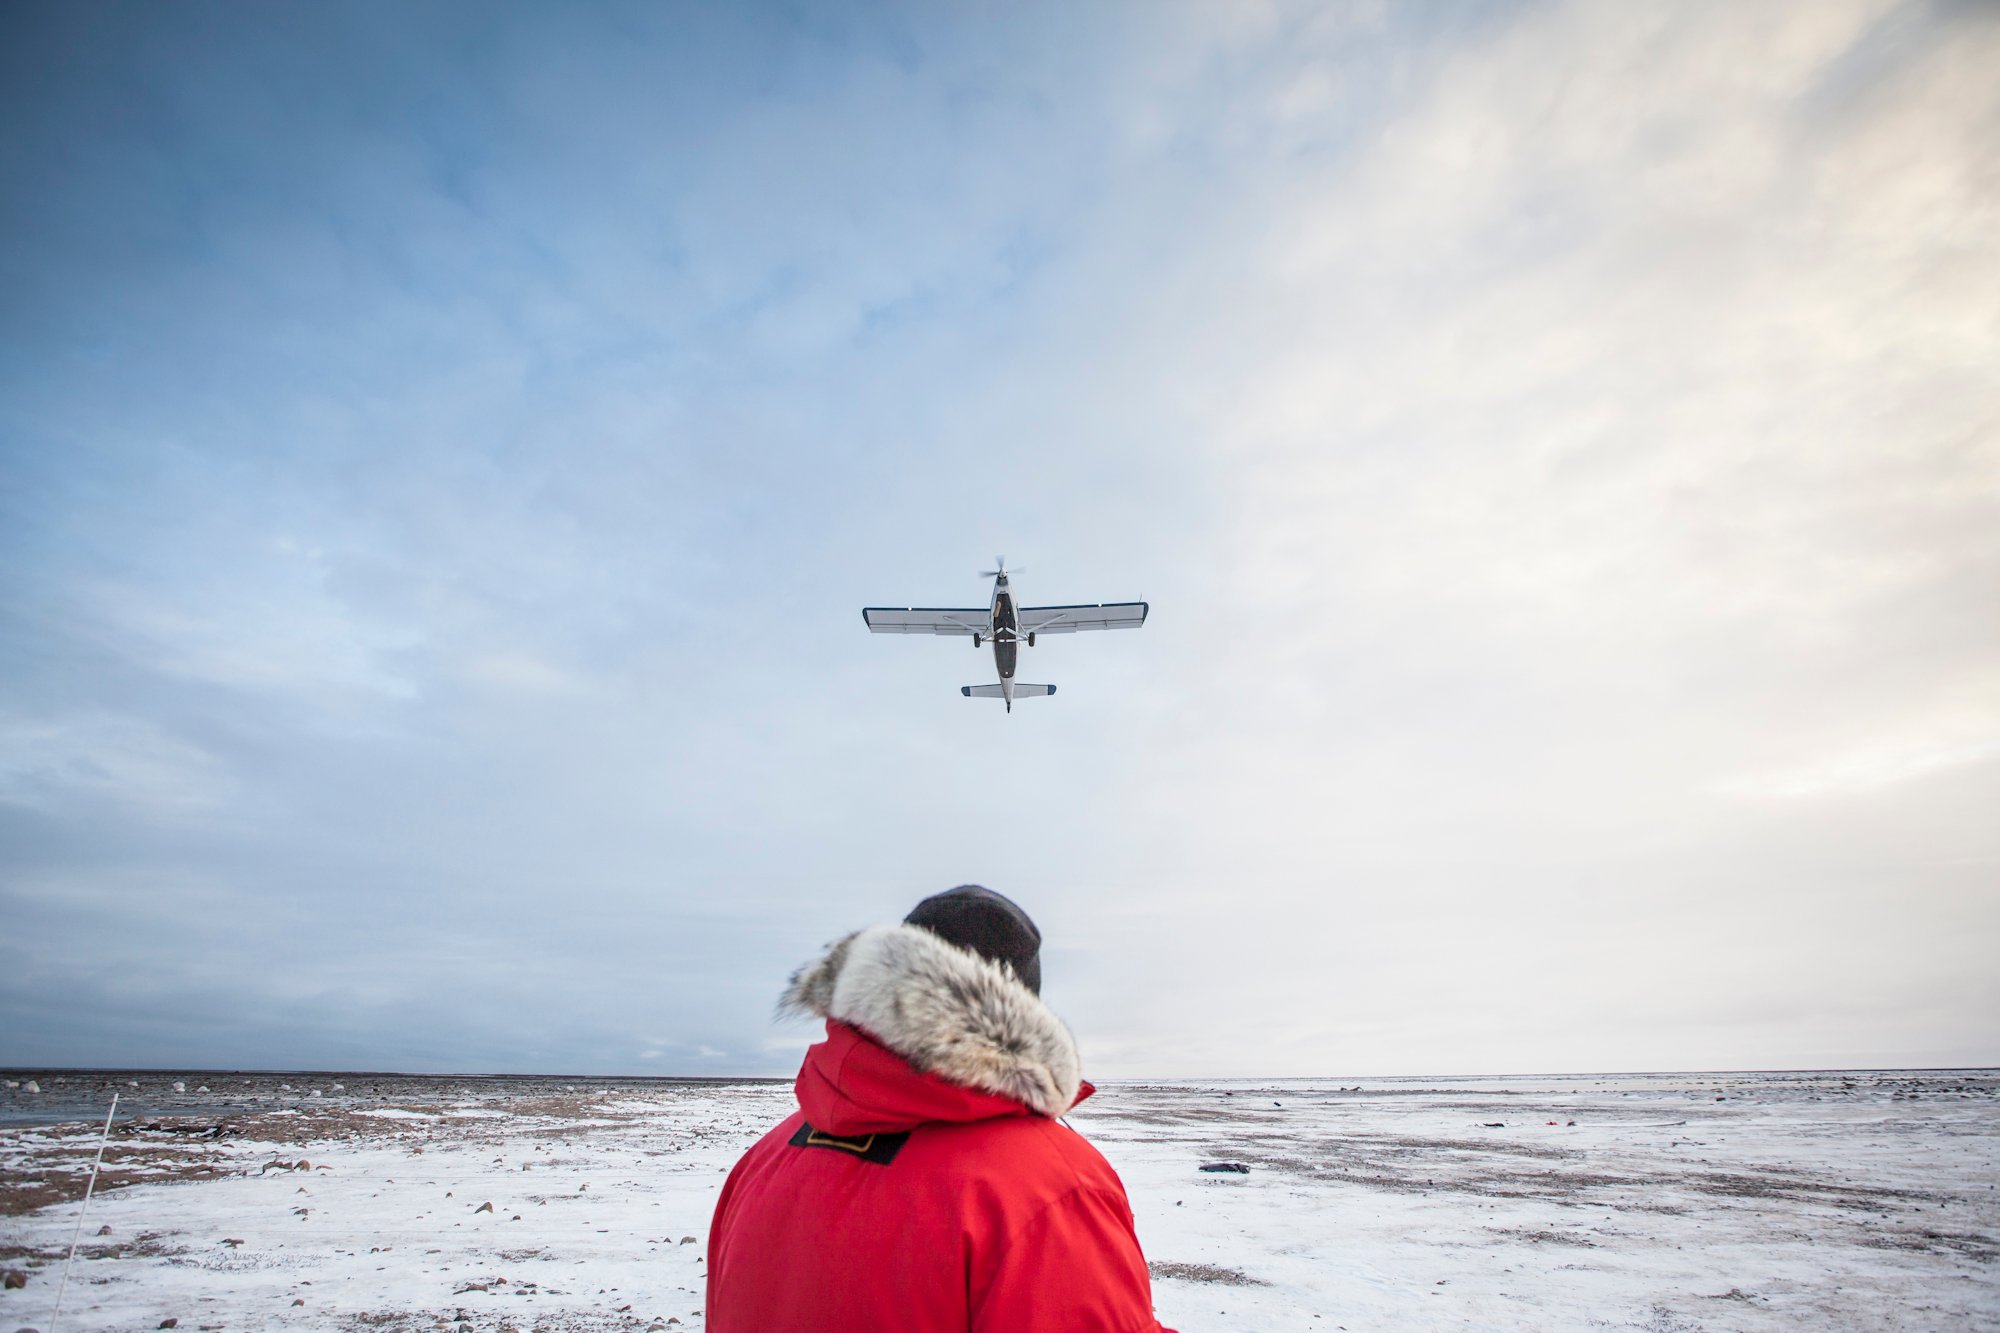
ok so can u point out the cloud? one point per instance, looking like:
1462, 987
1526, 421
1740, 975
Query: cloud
49, 763
1884, 763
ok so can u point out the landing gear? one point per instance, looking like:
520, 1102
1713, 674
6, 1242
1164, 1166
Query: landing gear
1031, 638
975, 641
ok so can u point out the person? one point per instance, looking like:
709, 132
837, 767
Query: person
926, 1184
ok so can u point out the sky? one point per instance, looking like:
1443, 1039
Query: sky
444, 452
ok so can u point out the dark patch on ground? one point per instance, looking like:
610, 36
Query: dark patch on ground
1214, 1274
1544, 1237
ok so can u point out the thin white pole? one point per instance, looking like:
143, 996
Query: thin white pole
78, 1233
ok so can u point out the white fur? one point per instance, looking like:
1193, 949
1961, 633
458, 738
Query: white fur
947, 1011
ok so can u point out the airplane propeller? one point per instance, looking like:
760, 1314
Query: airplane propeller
1001, 562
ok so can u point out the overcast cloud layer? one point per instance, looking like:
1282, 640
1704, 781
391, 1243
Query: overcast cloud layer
444, 451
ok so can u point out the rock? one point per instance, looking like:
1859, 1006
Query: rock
484, 1208
31, 1086
202, 1088
232, 1241
299, 1301
313, 1093
302, 1165
178, 1087
687, 1240
170, 1322
13, 1279
104, 1230
1237, 1167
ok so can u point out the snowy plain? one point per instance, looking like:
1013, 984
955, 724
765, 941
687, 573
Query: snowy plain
1665, 1202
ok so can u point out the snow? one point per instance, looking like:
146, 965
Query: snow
1672, 1202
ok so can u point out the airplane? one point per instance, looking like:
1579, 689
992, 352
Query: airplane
1007, 624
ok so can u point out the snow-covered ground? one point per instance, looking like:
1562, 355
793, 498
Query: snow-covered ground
1651, 1202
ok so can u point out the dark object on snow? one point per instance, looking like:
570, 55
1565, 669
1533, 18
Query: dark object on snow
1494, 1124
14, 1279
1237, 1167
989, 924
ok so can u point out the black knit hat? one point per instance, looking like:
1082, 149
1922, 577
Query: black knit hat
987, 923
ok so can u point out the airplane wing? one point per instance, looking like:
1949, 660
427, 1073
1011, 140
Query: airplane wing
927, 619
1068, 619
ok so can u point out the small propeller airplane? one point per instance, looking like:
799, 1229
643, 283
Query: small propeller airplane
1007, 624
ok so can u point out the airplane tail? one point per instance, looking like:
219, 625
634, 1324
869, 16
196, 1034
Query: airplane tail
993, 691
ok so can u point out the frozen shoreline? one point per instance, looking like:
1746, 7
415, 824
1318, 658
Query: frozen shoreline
1859, 1200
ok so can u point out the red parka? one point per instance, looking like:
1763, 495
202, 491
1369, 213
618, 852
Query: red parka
897, 1200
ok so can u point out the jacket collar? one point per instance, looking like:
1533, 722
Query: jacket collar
947, 1012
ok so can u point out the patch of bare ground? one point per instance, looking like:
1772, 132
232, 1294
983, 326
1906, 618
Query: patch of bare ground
1483, 1146
1978, 1248
1795, 1189
1214, 1274
1544, 1236
1494, 1169
570, 1106
1193, 1115
1733, 1294
37, 1170
23, 1189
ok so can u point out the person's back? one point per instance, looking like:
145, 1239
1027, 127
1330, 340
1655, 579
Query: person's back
925, 1184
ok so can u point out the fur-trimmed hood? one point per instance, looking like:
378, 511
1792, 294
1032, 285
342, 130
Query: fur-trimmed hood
947, 1011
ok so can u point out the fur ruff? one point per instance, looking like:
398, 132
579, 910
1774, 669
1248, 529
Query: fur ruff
947, 1011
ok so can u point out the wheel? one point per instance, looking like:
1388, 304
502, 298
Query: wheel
1031, 638
975, 641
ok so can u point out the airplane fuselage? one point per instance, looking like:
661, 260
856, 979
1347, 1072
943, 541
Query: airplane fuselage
1003, 627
